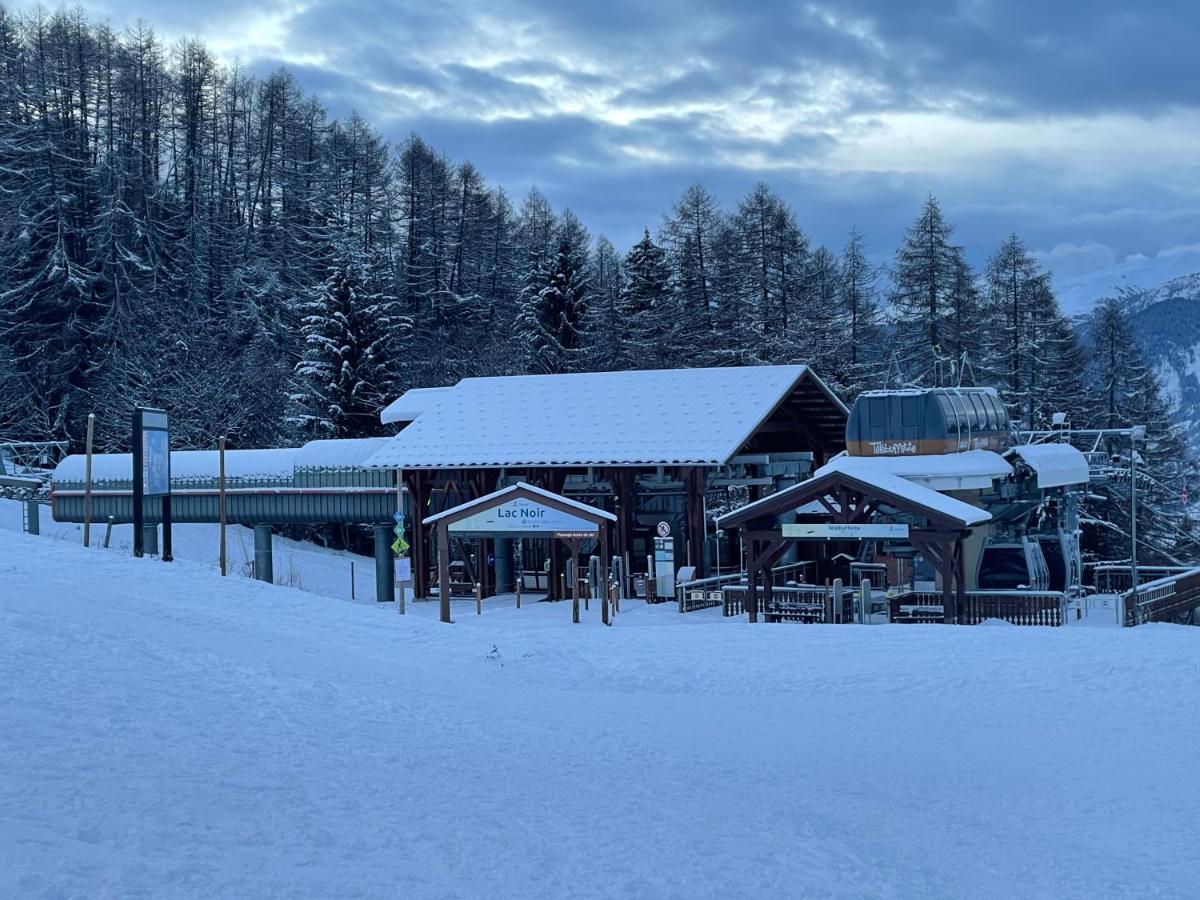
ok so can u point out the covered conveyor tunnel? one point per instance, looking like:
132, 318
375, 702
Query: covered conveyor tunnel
321, 483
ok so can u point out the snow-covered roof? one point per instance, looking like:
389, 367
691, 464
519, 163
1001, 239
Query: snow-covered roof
1055, 464
972, 470
653, 417
512, 489
342, 453
411, 404
269, 463
877, 477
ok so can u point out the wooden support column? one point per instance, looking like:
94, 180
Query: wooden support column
695, 481
626, 500
418, 492
602, 582
553, 480
752, 582
960, 580
444, 570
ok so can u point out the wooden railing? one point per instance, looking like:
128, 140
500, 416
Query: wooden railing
1164, 600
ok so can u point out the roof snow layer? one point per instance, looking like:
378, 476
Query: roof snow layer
512, 489
655, 417
263, 464
1055, 464
411, 404
870, 471
970, 470
338, 453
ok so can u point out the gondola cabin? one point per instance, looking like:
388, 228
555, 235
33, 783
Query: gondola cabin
919, 422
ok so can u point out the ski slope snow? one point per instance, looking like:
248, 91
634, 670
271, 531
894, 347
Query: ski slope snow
166, 732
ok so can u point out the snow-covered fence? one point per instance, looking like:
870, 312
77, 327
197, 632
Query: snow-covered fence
1015, 607
1163, 600
703, 593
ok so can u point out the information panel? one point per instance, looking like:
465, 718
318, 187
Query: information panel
525, 517
825, 532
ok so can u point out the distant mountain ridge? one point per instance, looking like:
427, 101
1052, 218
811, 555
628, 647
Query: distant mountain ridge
1166, 320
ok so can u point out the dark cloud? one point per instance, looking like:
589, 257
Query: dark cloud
614, 108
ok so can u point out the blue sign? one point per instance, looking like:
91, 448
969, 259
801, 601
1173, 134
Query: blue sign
399, 517
156, 463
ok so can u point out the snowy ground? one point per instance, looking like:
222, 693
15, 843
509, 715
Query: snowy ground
164, 732
296, 563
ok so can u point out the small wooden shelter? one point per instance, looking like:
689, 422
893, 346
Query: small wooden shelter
519, 510
854, 496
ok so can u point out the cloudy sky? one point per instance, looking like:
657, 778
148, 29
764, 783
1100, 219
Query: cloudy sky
1074, 122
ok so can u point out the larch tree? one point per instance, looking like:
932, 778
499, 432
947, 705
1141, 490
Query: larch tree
923, 278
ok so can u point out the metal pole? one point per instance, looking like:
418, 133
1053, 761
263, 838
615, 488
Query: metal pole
352, 597
136, 441
1133, 560
221, 504
264, 569
519, 568
479, 598
385, 569
574, 576
87, 483
166, 529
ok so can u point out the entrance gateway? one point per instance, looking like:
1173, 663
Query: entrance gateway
519, 511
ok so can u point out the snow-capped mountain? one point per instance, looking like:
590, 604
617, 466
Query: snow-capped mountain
1166, 320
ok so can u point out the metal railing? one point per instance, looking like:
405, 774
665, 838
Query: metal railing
703, 593
1163, 600
1115, 578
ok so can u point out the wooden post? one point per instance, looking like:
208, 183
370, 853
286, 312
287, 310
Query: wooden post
573, 572
479, 598
444, 571
752, 582
518, 587
221, 504
87, 484
352, 597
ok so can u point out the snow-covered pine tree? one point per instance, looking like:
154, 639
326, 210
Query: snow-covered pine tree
689, 234
1127, 394
811, 337
353, 340
551, 324
923, 279
771, 264
605, 325
962, 356
648, 318
862, 364
1015, 287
